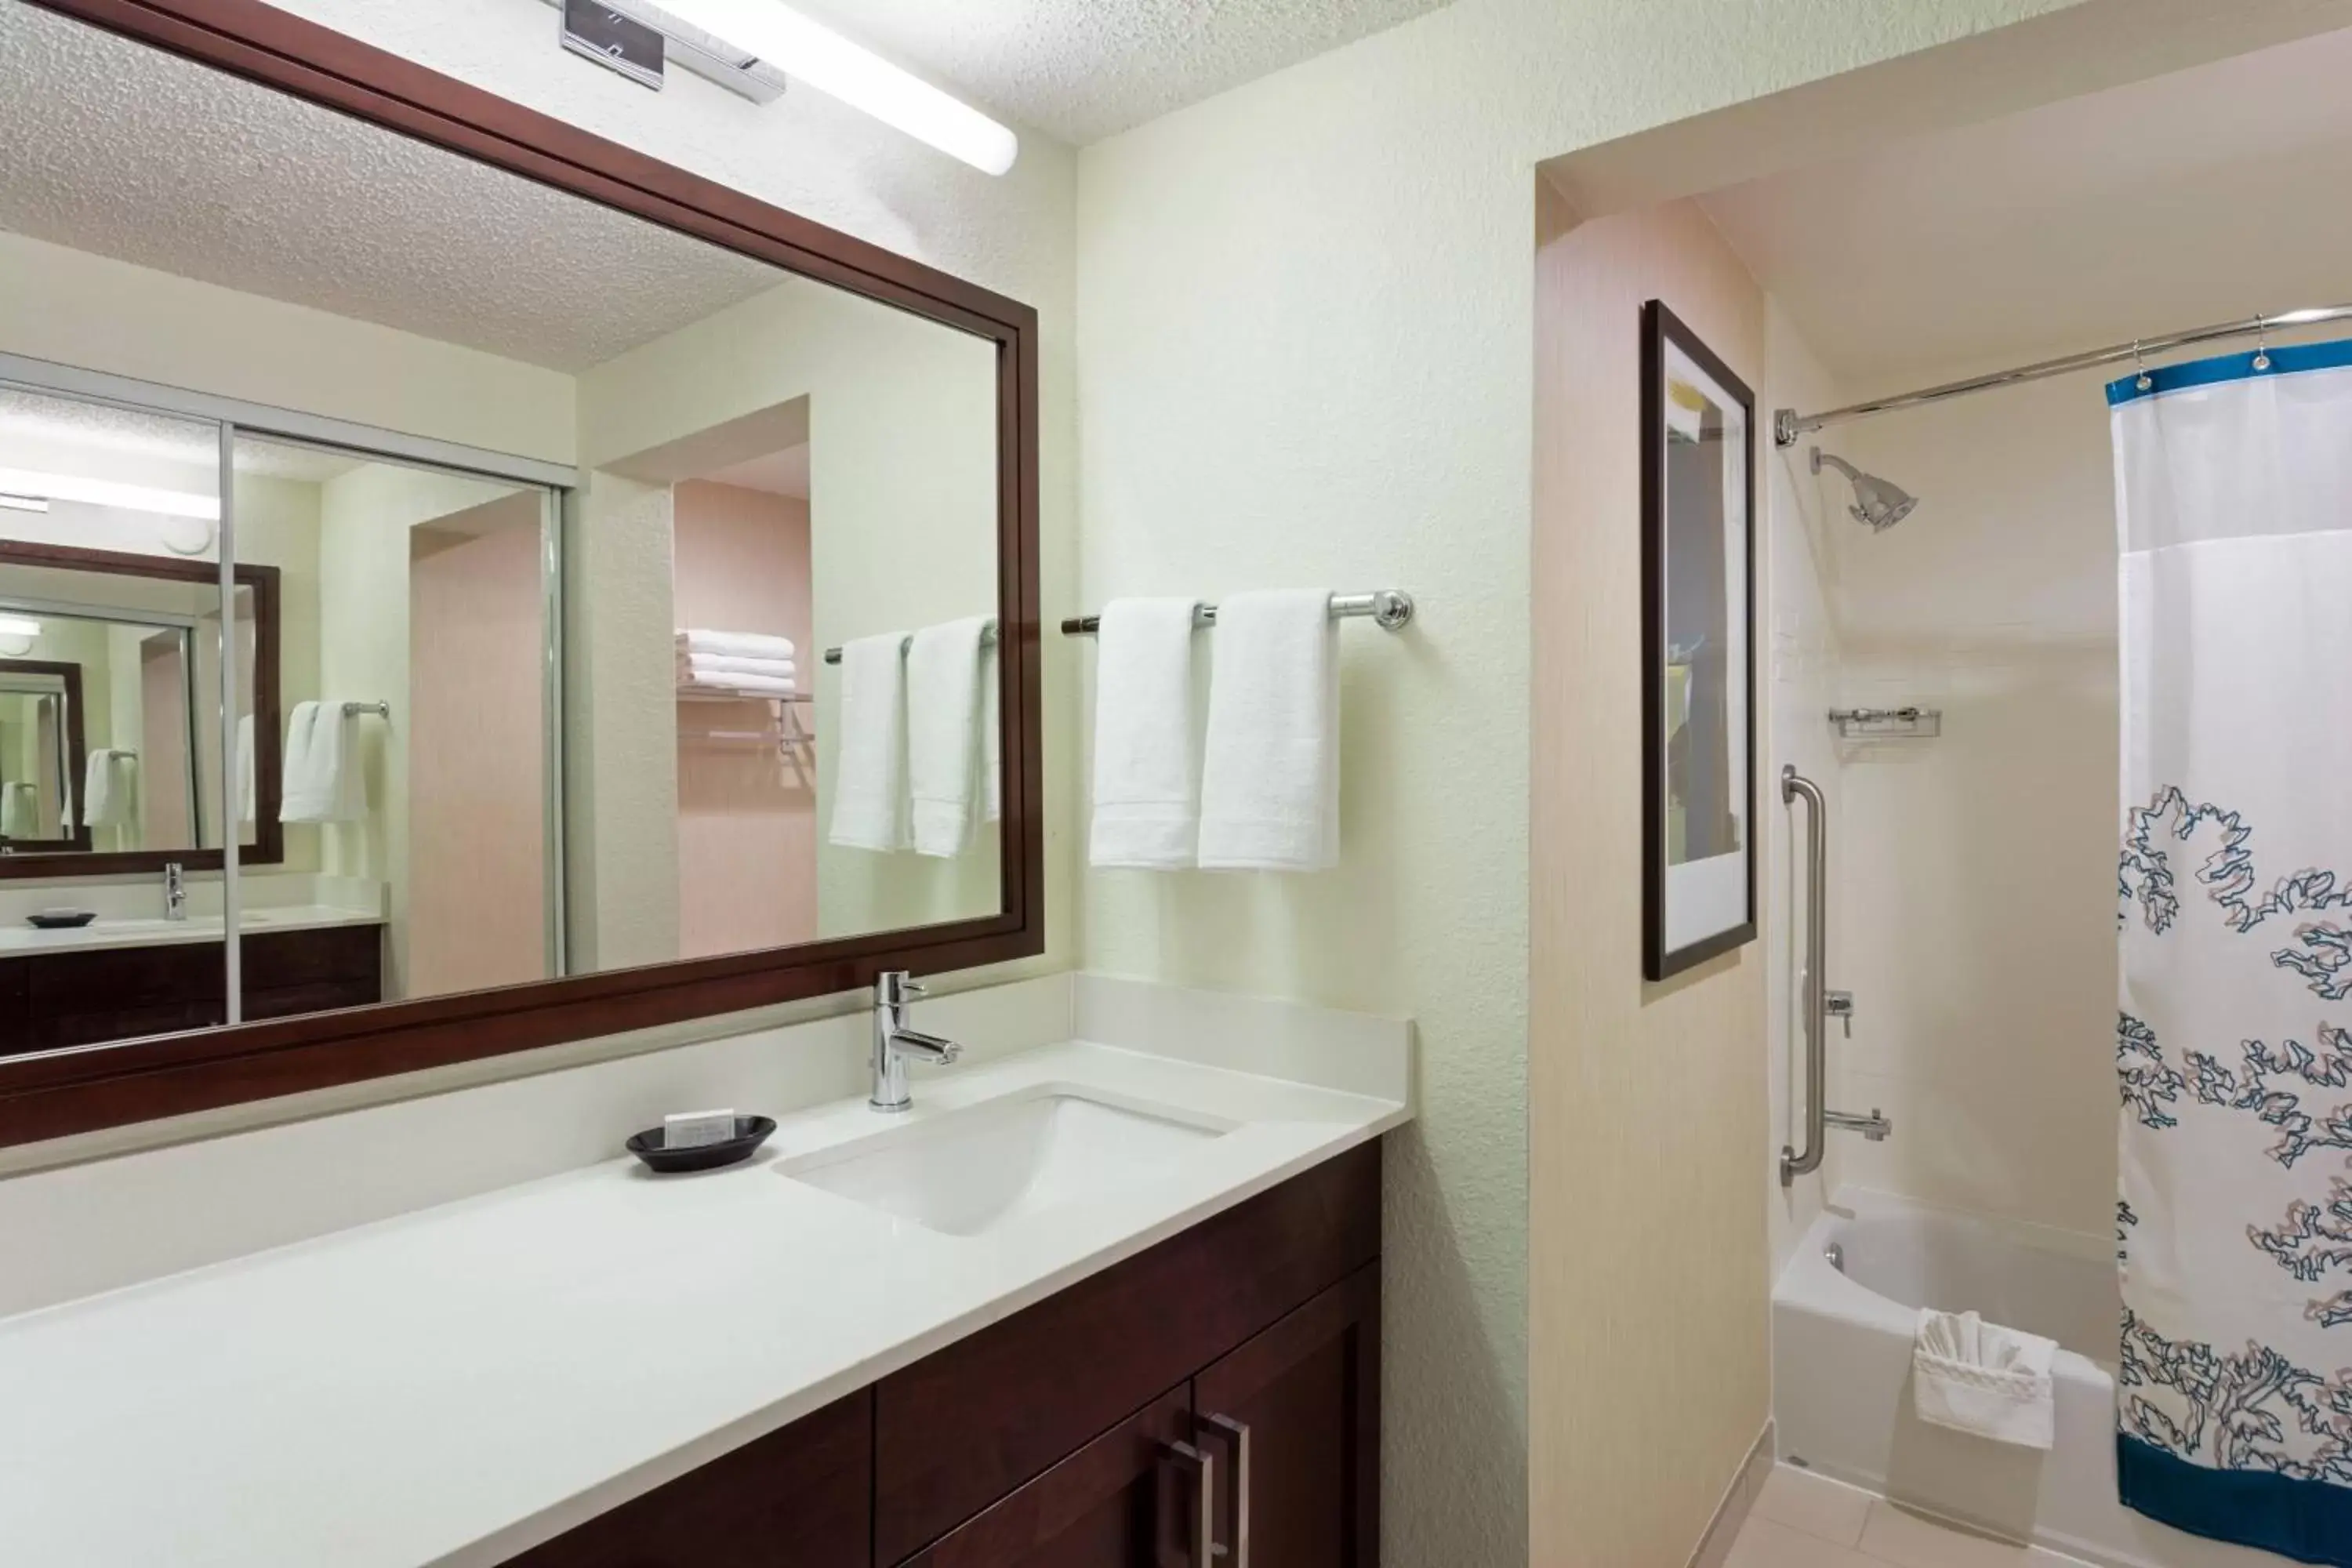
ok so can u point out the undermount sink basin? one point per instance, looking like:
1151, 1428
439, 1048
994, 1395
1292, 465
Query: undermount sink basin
974, 1171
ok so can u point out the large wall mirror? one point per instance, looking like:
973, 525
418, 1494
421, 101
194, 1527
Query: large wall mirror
464, 586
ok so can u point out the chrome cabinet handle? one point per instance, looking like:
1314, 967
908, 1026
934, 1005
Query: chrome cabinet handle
1189, 1545
1235, 1437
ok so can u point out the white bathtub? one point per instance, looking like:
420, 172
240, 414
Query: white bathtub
1842, 1376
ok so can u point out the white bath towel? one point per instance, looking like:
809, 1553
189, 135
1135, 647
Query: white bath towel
731, 681
1978, 1377
323, 781
1270, 768
992, 750
710, 663
109, 797
869, 786
742, 644
1147, 809
20, 810
943, 750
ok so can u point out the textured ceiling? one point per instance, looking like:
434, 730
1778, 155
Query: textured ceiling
1084, 69
2206, 195
117, 149
48, 433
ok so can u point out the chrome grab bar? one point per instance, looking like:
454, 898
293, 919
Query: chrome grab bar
1795, 786
1819, 1117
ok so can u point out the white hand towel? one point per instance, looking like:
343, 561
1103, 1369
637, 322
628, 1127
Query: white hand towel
1270, 772
247, 794
1978, 1377
723, 680
870, 783
943, 734
744, 645
107, 795
1146, 812
323, 781
20, 810
735, 664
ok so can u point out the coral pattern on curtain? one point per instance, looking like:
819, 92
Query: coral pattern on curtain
2233, 482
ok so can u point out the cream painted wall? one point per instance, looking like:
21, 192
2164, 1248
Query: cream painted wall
73, 308
1307, 318
1977, 888
1649, 1379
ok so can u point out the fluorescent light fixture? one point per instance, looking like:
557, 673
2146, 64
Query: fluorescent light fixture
14, 627
23, 503
839, 69
105, 493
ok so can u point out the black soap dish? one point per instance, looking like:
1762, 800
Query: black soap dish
750, 1132
61, 919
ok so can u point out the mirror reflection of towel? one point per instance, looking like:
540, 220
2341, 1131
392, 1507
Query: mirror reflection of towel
322, 777
107, 798
20, 810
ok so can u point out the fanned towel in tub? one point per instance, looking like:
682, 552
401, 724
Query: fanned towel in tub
1975, 1376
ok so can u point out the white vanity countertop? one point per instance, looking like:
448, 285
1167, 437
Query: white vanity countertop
457, 1385
111, 931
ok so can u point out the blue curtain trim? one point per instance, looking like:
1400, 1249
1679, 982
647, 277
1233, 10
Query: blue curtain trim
2230, 367
2308, 1520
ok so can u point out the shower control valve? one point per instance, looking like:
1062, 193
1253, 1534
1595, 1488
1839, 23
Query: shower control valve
1839, 1005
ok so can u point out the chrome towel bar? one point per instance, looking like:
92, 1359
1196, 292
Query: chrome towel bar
1391, 608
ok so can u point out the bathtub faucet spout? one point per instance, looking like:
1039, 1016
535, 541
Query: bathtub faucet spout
1872, 1127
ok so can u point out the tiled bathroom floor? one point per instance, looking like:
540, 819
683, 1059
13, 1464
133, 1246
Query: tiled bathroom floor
1804, 1520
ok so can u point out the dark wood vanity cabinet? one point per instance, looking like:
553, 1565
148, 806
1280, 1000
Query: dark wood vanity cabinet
1076, 1433
80, 997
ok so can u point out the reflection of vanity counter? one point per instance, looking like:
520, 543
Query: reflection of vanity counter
152, 931
134, 974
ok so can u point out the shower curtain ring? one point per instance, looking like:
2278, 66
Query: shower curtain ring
2140, 360
2261, 343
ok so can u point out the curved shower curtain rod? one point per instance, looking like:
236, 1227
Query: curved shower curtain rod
1788, 425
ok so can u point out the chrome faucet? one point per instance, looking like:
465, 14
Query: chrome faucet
894, 1042
175, 892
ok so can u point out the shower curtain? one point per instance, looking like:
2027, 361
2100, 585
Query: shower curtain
2234, 481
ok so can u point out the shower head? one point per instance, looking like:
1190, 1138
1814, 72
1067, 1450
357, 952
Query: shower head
1877, 502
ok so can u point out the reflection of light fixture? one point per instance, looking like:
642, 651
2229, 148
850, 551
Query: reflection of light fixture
106, 492
860, 77
16, 636
23, 503
188, 535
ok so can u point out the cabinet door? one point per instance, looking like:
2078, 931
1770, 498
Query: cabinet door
799, 1498
1302, 1399
1121, 1502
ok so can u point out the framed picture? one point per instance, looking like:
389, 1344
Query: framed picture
1698, 650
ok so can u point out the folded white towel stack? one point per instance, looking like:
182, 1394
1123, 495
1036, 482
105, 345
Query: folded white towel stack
1978, 1377
1270, 773
742, 644
943, 751
737, 681
109, 796
323, 779
720, 664
869, 785
1146, 815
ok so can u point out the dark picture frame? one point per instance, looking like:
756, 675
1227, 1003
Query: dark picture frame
51, 1094
1698, 650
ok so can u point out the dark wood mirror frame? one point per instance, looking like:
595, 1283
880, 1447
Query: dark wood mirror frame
54, 1094
269, 847
77, 840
